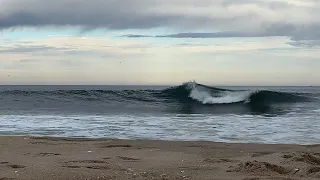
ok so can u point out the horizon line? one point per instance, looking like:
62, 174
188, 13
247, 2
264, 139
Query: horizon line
317, 85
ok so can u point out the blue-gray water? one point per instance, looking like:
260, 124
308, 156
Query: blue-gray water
188, 112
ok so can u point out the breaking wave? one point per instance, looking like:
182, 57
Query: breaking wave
211, 95
190, 92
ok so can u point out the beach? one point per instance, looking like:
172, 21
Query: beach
159, 90
51, 158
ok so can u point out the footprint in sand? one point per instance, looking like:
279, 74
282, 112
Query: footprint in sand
86, 161
197, 168
222, 160
17, 166
117, 146
259, 167
259, 154
313, 170
72, 167
98, 167
45, 143
5, 178
273, 178
43, 154
49, 154
128, 158
310, 158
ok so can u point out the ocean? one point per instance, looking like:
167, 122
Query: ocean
189, 112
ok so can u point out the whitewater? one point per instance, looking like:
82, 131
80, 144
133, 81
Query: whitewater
225, 97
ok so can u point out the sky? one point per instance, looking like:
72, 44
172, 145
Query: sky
160, 42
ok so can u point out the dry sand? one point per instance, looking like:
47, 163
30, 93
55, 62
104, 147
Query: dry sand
60, 158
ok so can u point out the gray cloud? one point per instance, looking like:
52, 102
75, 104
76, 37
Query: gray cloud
296, 33
110, 14
27, 49
45, 49
306, 44
135, 36
241, 18
205, 35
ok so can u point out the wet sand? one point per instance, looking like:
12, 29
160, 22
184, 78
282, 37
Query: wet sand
32, 158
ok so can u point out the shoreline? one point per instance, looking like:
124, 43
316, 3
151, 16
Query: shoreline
29, 157
78, 138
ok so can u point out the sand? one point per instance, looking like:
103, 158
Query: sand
34, 158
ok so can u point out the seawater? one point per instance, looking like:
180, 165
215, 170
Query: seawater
188, 112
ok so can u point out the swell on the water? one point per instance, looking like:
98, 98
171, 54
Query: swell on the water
211, 95
190, 92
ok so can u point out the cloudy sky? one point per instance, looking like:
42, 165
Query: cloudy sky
217, 42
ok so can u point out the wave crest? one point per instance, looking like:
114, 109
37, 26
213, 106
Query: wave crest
186, 93
211, 95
